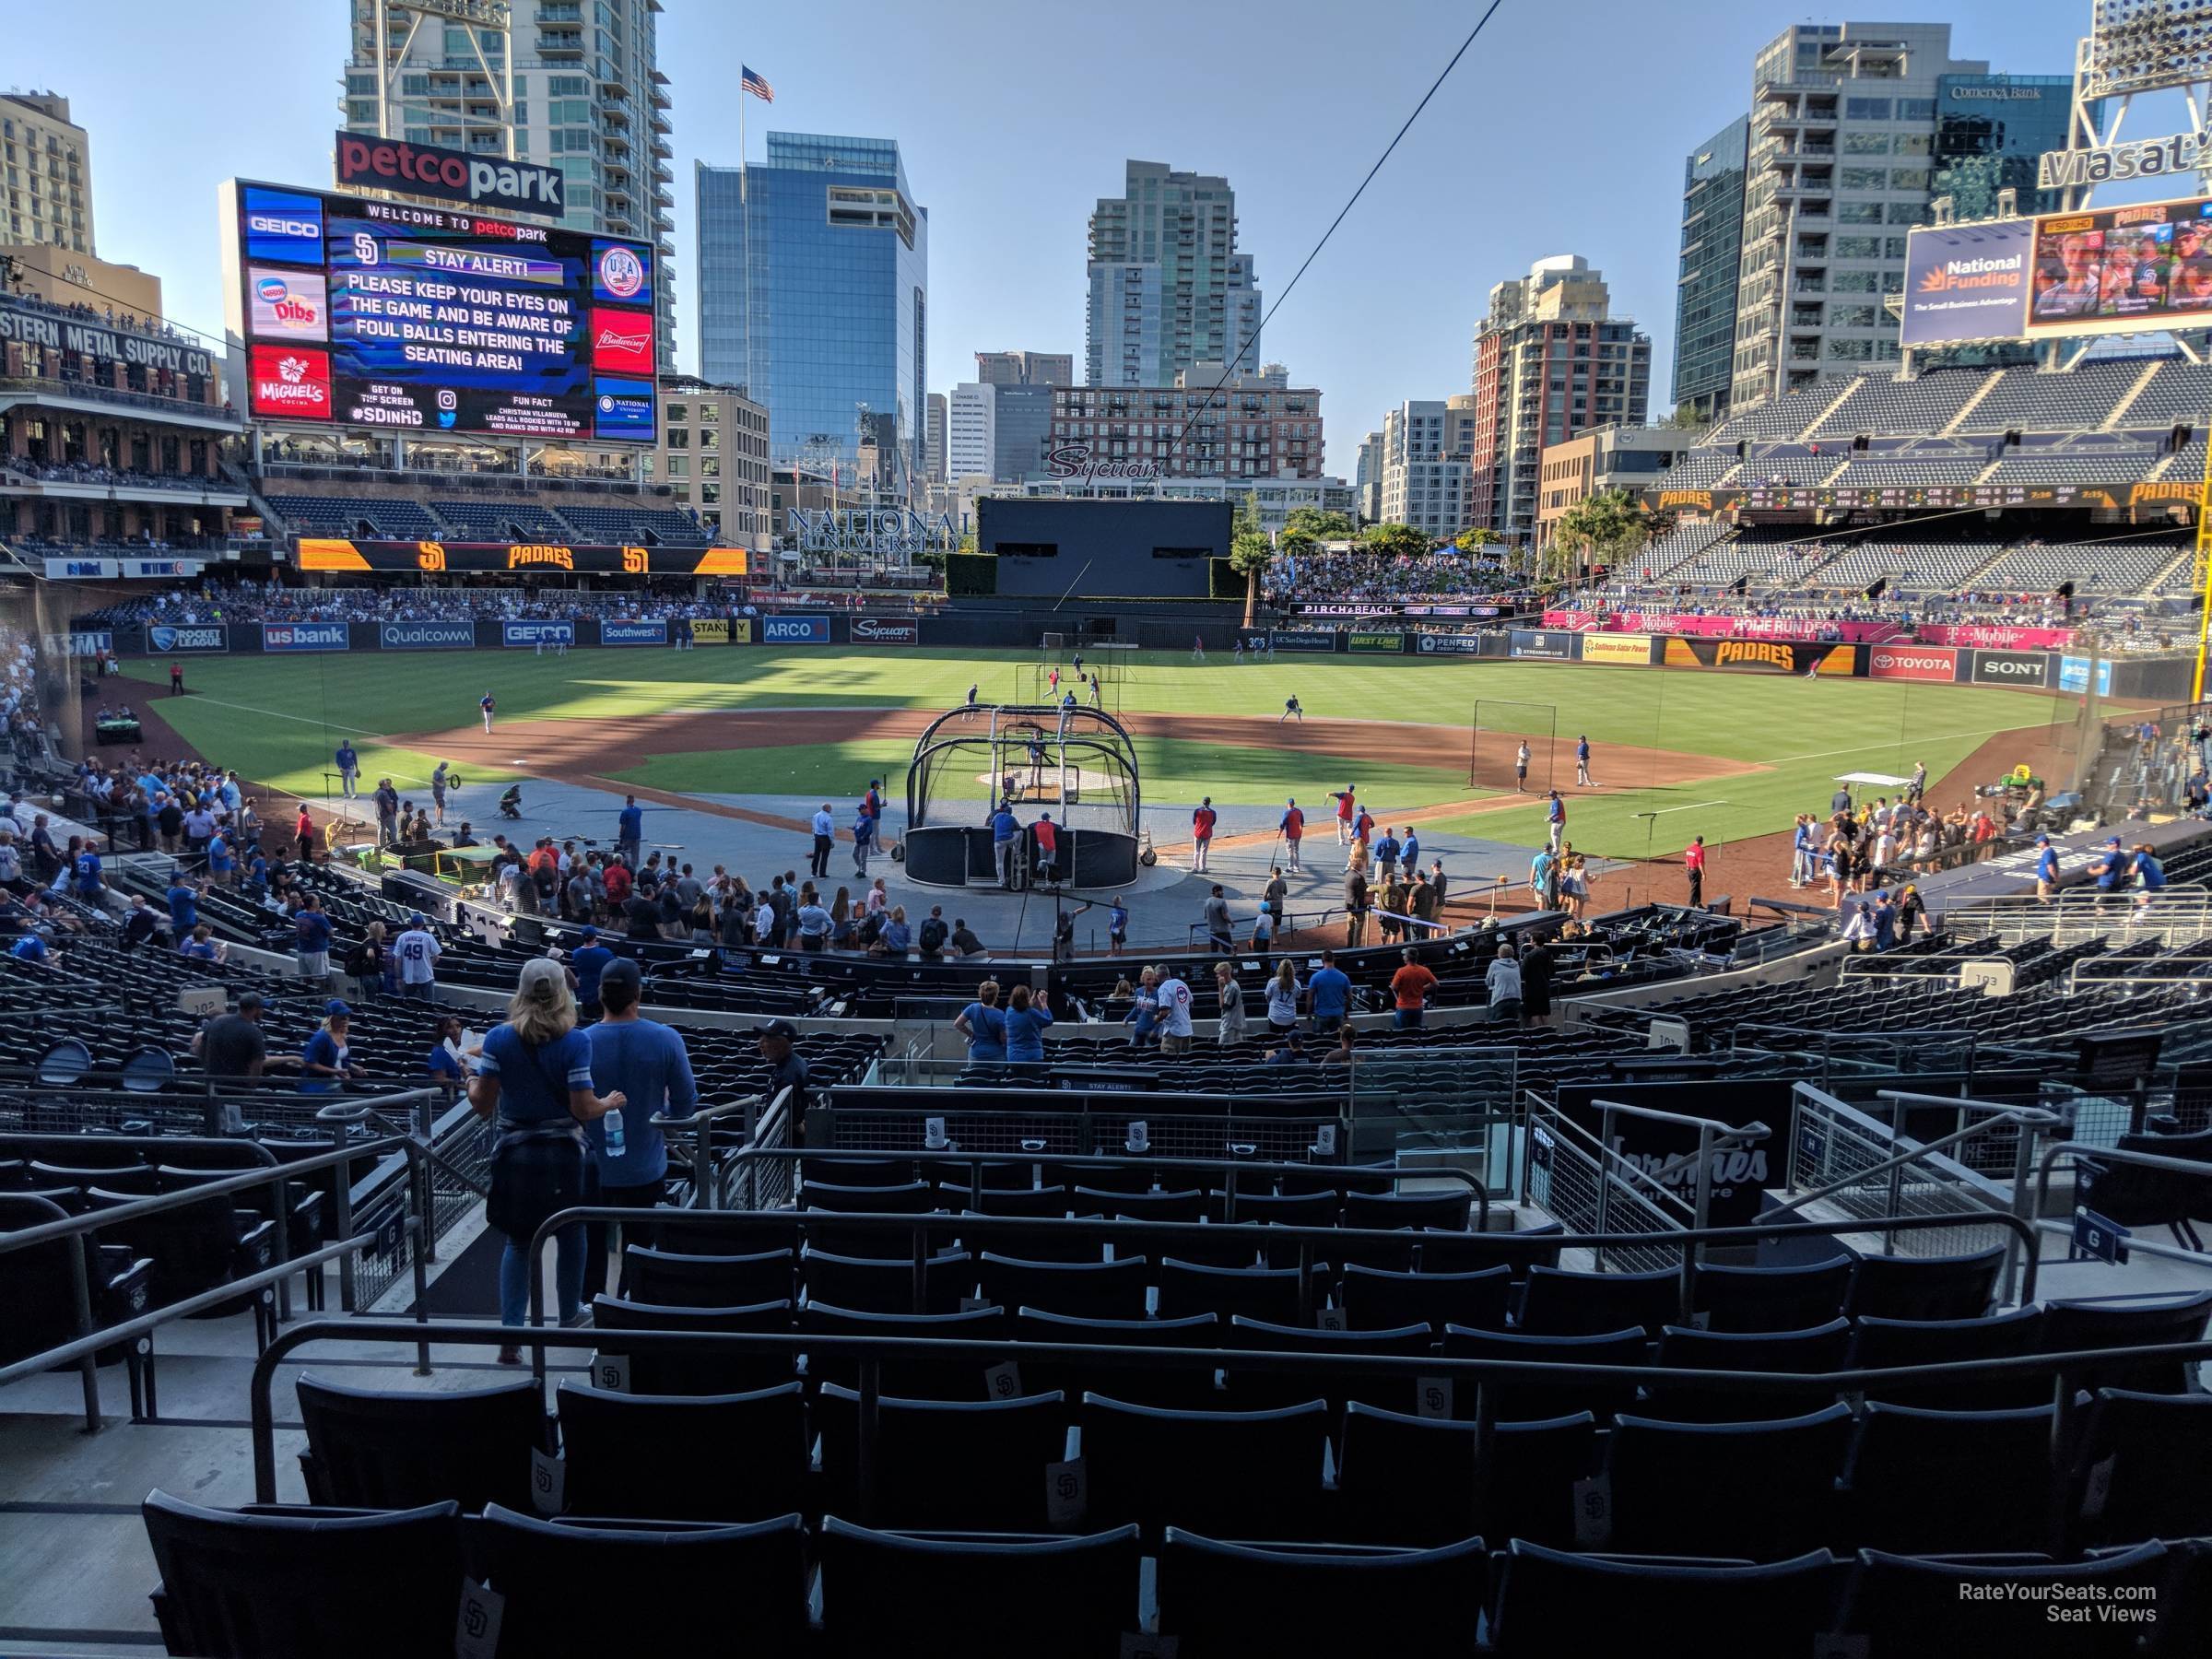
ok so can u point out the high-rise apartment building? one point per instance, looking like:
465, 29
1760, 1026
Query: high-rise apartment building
933, 439
571, 84
46, 160
1366, 479
971, 427
1550, 360
1713, 241
713, 455
1426, 479
1021, 431
1202, 426
814, 297
1167, 287
1025, 368
1842, 139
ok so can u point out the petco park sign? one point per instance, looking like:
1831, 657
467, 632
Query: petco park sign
870, 530
2144, 158
448, 175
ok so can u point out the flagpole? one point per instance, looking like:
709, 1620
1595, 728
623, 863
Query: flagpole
745, 218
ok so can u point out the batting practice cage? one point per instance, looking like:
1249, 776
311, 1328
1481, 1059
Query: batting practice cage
1077, 764
1500, 728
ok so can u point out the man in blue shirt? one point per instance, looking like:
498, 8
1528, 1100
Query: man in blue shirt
1006, 836
1329, 994
1555, 819
312, 929
591, 960
630, 831
2149, 871
89, 883
2046, 868
2114, 868
184, 908
824, 838
1409, 853
1386, 855
647, 1063
1581, 762
349, 766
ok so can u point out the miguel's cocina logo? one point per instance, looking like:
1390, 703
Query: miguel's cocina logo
1753, 650
518, 557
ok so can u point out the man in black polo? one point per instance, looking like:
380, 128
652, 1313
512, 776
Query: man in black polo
786, 1068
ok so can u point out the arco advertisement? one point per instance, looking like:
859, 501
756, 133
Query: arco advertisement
1761, 656
794, 630
1936, 664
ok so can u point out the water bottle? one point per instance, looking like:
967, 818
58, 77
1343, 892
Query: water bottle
612, 1125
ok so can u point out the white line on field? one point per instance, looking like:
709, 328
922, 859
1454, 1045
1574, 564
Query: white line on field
1662, 811
1867, 748
278, 714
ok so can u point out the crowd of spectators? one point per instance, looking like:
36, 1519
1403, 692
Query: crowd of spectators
19, 691
251, 601
1359, 577
112, 318
92, 473
2006, 610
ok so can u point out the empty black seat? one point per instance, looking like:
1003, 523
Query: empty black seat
1340, 1179
848, 1173
1189, 1205
701, 1232
887, 1287
1044, 1242
1376, 1299
731, 1458
1773, 1299
1552, 1602
1101, 1177
1444, 1211
1037, 1203
1883, 1344
676, 1371
2138, 1321
675, 1279
920, 1379
1949, 1481
1293, 1602
1445, 1251
1148, 1383
1533, 1401
2141, 1469
1925, 1604
1412, 1480
885, 1593
1287, 1210
1253, 1385
1269, 1293
267, 1586
958, 1465
1952, 1287
541, 1569
1113, 1290
194, 1247
1753, 1490
378, 1449
1822, 1349
1234, 1473
1559, 1302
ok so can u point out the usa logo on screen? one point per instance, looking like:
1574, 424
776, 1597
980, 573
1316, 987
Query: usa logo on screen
621, 273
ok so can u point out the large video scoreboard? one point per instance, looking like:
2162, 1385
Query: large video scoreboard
425, 318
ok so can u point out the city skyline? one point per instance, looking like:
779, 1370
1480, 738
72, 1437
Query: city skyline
1384, 315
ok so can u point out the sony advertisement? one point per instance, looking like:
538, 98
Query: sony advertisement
2122, 270
425, 318
1966, 282
2030, 669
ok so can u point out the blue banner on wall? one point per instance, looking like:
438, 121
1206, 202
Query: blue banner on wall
2074, 675
530, 634
633, 634
427, 636
306, 636
162, 637
794, 630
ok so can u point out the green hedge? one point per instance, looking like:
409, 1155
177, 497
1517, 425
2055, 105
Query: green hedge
1223, 580
971, 575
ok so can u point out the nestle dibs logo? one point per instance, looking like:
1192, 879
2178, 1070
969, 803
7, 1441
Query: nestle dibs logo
621, 273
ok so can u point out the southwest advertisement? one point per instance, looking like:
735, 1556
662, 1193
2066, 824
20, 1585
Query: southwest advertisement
1629, 648
1966, 282
1761, 656
611, 632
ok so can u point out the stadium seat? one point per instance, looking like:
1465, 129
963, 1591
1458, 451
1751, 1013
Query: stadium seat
267, 1587
958, 1466
1923, 1604
922, 1379
568, 1589
1771, 1298
1758, 1491
885, 1286
378, 1449
676, 1373
1563, 1303
1339, 1178
729, 1458
1047, 1203
1257, 1386
671, 1278
1820, 1348
1101, 1177
1552, 1602
2141, 1469
903, 1199
1411, 1480
844, 1175
1375, 1300
1173, 1386
1269, 1293
1048, 1242
1291, 1602
1887, 1344
1523, 1402
1188, 1205
1920, 1480
885, 1593
1234, 1473
1450, 1252
1444, 1211
1952, 1287
2141, 1321
1113, 1290
1289, 1210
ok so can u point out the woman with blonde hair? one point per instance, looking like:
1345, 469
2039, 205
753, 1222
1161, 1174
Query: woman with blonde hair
535, 1079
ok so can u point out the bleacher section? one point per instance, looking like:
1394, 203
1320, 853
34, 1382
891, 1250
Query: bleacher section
2079, 400
1924, 566
378, 517
392, 517
2112, 568
499, 521
1879, 405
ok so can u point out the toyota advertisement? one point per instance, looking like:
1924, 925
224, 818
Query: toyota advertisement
417, 318
1938, 663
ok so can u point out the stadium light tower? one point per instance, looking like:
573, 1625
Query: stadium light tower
387, 51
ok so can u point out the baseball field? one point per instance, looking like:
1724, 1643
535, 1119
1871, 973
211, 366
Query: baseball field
1675, 752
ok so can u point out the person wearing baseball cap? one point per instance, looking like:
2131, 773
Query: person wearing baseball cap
327, 1060
646, 1062
2046, 868
786, 1068
2114, 869
590, 961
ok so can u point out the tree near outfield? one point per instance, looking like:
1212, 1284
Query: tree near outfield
1606, 527
1473, 541
1304, 526
1249, 551
1396, 541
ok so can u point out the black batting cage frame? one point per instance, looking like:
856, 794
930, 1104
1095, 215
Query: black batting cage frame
1078, 764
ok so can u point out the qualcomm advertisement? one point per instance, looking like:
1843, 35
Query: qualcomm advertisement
794, 630
305, 636
633, 634
427, 636
538, 633
162, 637
1967, 282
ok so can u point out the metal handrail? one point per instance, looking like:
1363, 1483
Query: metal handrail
2148, 1160
1485, 1374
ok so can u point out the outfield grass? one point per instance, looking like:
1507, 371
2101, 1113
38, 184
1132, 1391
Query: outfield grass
277, 720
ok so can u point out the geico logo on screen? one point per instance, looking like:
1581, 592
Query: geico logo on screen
272, 224
1754, 651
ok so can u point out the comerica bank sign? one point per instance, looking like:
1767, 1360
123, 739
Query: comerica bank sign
2144, 159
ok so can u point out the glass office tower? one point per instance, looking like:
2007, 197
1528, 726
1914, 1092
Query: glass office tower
814, 300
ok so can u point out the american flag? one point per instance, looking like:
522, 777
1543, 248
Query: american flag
756, 83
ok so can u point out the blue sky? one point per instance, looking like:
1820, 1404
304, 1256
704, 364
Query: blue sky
1562, 131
